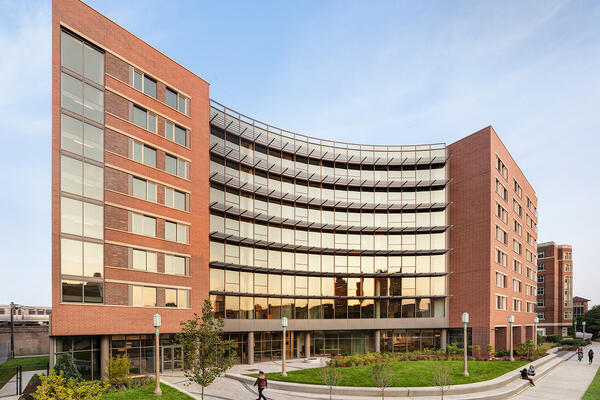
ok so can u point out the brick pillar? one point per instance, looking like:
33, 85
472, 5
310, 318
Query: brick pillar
250, 344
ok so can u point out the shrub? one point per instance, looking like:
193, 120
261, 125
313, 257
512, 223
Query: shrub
502, 353
118, 370
490, 350
65, 363
56, 386
477, 349
554, 338
526, 349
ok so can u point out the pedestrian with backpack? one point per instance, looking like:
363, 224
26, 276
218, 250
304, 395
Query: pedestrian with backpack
262, 384
591, 356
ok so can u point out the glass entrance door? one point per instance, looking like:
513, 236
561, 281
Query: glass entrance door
171, 359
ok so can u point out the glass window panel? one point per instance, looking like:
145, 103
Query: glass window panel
182, 298
137, 80
71, 94
151, 262
138, 152
149, 226
170, 231
150, 156
171, 98
182, 233
139, 259
92, 292
217, 281
151, 191
72, 291
149, 297
93, 220
93, 103
93, 145
149, 87
137, 295
71, 53
171, 164
181, 106
139, 188
71, 138
180, 135
93, 67
93, 182
181, 168
93, 260
179, 200
170, 297
71, 254
152, 122
139, 116
169, 128
71, 216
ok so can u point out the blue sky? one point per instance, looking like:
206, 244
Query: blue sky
369, 72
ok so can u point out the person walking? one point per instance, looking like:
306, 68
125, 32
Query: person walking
591, 356
262, 384
580, 353
526, 377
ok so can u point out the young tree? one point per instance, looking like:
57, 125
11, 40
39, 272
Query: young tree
330, 377
206, 354
383, 376
442, 377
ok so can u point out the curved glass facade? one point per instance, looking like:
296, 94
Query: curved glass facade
312, 229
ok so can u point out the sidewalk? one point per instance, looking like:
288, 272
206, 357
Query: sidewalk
569, 380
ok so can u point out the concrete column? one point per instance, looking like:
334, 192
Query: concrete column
250, 349
377, 341
298, 343
307, 344
377, 304
104, 355
444, 339
52, 348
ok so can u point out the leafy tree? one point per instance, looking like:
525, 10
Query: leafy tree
65, 363
442, 377
526, 349
490, 351
207, 355
330, 376
592, 321
383, 376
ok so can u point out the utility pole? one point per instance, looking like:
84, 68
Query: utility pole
12, 333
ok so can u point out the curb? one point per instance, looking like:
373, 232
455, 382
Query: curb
469, 388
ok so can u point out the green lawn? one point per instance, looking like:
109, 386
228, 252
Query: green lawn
593, 391
146, 392
8, 368
407, 373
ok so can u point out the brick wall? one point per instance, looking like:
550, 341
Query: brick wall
116, 67
116, 105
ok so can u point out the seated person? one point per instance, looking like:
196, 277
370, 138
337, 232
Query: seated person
531, 370
526, 377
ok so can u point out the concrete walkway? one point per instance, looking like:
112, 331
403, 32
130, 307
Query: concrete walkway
8, 391
569, 380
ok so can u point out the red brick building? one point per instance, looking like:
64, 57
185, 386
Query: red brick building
162, 198
580, 306
555, 288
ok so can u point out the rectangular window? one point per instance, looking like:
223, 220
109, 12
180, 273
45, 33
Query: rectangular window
144, 154
501, 213
517, 266
517, 208
517, 286
517, 188
567, 267
81, 178
541, 267
567, 256
176, 101
531, 274
530, 257
501, 190
175, 133
540, 291
540, 315
144, 260
517, 305
500, 302
144, 296
540, 302
517, 246
81, 219
517, 227
501, 257
501, 235
143, 225
501, 168
144, 83
144, 119
176, 232
175, 265
540, 279
143, 189
81, 138
175, 199
82, 58
176, 298
500, 280
176, 166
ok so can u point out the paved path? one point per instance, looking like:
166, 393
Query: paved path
569, 380
10, 388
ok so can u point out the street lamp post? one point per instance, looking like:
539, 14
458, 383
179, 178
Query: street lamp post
284, 323
574, 329
583, 324
156, 322
536, 321
511, 320
465, 321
